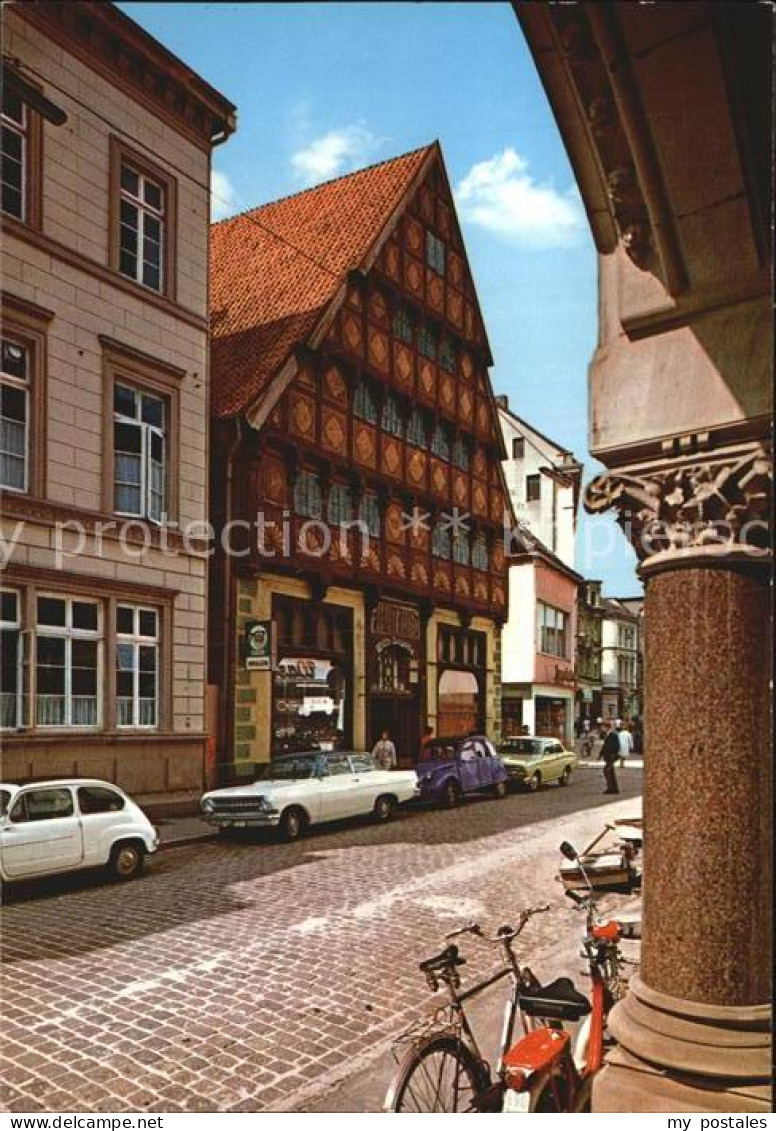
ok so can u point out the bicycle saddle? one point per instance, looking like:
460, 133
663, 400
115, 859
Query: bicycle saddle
560, 1000
449, 957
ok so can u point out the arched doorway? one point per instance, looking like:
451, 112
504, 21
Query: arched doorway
394, 700
458, 702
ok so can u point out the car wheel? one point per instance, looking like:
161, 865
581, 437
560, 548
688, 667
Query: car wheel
452, 794
385, 807
500, 790
292, 824
565, 777
534, 782
126, 861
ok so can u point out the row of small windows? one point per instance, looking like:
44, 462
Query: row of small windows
460, 548
444, 442
65, 651
308, 503
434, 346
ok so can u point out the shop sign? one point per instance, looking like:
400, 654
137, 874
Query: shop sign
397, 622
260, 645
564, 677
313, 703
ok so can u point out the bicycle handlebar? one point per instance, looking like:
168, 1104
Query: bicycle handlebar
470, 928
505, 933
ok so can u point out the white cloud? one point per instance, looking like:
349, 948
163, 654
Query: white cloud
223, 198
501, 196
339, 151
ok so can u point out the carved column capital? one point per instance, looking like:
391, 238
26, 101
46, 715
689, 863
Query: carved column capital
693, 508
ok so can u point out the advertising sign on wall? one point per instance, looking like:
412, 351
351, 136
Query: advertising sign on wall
259, 645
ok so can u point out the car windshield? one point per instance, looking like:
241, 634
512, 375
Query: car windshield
524, 746
289, 769
5, 797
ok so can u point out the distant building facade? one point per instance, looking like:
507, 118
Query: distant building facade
539, 653
589, 646
107, 143
620, 664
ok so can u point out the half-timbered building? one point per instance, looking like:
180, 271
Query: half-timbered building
356, 479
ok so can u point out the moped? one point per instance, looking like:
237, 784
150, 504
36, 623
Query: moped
542, 1072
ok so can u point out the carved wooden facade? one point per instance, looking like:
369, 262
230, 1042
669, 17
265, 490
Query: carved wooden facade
356, 443
395, 404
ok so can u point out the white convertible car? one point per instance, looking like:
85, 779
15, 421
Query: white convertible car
297, 790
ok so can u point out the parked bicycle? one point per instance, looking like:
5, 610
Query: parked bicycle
443, 1069
540, 1072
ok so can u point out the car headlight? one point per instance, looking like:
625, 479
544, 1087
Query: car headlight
208, 804
263, 805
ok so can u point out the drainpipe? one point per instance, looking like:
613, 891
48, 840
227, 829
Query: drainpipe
226, 715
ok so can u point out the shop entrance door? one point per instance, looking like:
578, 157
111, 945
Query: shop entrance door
400, 716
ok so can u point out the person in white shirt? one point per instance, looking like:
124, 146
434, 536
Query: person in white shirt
384, 752
626, 741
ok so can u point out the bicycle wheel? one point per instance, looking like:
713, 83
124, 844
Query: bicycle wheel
441, 1075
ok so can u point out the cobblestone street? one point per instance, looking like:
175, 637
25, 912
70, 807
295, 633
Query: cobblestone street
252, 976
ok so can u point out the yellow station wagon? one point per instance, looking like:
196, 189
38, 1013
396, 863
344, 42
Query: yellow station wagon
532, 761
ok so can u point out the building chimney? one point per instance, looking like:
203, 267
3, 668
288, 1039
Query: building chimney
502, 400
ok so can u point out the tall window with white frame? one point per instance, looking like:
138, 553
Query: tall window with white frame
137, 667
140, 453
552, 626
14, 416
68, 662
15, 125
11, 693
141, 228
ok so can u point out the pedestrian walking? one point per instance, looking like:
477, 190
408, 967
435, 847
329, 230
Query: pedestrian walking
625, 738
384, 752
610, 752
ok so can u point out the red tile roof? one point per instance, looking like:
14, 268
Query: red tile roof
275, 270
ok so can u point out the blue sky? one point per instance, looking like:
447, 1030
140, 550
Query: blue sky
325, 88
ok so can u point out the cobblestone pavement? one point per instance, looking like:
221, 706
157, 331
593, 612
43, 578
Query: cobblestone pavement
253, 976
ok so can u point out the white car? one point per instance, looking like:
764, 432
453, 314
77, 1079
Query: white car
297, 790
69, 824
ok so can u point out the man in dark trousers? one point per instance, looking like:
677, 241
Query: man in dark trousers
610, 753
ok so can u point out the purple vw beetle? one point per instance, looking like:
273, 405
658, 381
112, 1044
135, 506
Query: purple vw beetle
451, 767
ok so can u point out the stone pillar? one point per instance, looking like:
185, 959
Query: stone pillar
693, 1032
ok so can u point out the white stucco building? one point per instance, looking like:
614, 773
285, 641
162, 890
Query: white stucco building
543, 480
538, 640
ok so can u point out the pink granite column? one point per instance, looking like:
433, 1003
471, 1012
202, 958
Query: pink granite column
693, 1032
707, 922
